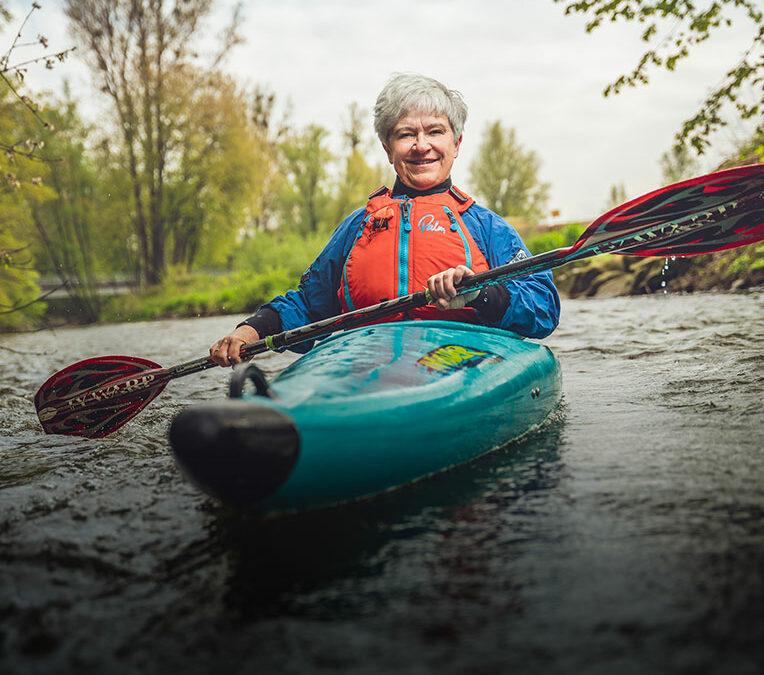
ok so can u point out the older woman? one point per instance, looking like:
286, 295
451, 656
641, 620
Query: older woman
423, 232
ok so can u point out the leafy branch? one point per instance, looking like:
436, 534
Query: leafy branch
39, 298
692, 25
4, 60
50, 60
20, 70
12, 151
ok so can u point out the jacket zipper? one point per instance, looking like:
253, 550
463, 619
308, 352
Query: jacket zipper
403, 248
455, 227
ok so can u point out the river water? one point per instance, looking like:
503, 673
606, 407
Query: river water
626, 536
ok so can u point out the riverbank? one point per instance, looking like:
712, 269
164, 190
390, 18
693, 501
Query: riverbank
609, 276
603, 276
185, 295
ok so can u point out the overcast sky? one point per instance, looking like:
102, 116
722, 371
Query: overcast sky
520, 61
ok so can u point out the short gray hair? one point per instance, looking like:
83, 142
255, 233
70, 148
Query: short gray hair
406, 92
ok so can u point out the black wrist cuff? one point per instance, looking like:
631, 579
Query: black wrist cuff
492, 303
265, 321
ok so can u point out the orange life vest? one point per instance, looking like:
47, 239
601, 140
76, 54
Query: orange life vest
401, 243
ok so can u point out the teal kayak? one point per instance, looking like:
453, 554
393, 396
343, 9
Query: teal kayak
367, 411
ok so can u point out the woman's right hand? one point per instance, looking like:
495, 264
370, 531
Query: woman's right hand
226, 351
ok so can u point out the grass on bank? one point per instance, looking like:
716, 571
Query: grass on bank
541, 242
265, 265
198, 295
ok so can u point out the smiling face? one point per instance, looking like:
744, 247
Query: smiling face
421, 147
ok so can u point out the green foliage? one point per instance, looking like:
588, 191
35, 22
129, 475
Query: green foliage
67, 225
540, 242
266, 264
213, 187
305, 198
290, 252
749, 151
506, 177
18, 281
20, 187
199, 295
749, 259
356, 182
688, 24
143, 59
358, 178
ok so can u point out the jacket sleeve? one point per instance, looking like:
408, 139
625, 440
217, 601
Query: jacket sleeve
534, 304
316, 294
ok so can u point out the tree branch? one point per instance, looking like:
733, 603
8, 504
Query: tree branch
697, 25
16, 308
4, 60
48, 58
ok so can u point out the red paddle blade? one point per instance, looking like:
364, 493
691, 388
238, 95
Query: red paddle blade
718, 211
95, 397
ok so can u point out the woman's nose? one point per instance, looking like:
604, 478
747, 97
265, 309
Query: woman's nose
421, 143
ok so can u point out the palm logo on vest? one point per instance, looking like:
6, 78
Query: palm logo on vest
427, 223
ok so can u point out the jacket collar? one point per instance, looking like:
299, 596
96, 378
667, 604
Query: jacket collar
401, 190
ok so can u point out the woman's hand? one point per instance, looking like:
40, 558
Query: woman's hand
225, 352
442, 287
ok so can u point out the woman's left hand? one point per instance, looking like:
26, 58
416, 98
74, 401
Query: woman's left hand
442, 287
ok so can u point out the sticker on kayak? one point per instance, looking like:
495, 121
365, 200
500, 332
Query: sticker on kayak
449, 358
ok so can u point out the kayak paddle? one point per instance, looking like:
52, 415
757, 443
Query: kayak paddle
718, 211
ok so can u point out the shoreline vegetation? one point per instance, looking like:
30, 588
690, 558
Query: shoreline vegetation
198, 294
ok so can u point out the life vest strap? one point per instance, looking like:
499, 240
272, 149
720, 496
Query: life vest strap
454, 198
382, 189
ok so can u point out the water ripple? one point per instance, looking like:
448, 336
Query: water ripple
627, 535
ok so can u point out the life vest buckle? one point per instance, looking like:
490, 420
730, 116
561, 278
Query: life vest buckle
378, 224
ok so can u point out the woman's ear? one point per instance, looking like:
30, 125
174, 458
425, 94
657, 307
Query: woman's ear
458, 145
389, 152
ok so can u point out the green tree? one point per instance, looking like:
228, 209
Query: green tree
134, 47
506, 177
69, 227
688, 24
305, 195
357, 178
270, 132
23, 164
118, 249
20, 185
220, 156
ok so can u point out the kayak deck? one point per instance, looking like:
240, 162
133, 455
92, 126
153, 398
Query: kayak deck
375, 408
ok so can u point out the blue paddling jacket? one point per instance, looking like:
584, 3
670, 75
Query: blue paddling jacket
528, 306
